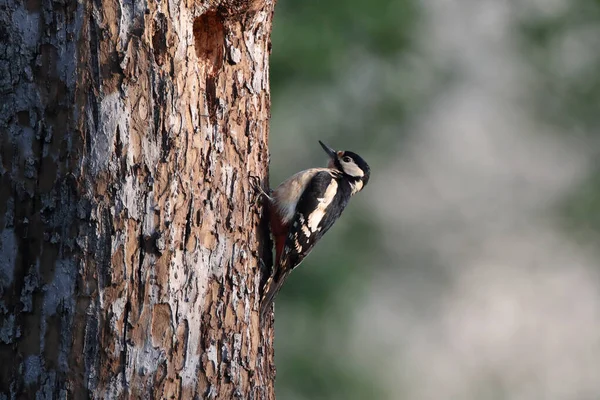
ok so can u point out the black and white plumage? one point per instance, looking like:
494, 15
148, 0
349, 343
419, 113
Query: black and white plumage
304, 207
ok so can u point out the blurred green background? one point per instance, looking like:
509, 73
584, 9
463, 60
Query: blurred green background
468, 267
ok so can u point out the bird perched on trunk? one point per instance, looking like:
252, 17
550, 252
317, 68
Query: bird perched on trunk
304, 207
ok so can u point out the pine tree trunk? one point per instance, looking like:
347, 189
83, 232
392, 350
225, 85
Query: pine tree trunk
129, 242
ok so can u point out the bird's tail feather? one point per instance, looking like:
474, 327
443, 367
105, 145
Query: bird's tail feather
272, 287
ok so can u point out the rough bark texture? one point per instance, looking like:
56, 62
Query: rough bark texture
129, 243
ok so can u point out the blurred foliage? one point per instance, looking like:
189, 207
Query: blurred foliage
310, 37
559, 48
581, 210
327, 377
317, 90
563, 51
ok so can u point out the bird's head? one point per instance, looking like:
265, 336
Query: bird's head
350, 164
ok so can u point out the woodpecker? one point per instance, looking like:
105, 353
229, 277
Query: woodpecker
304, 207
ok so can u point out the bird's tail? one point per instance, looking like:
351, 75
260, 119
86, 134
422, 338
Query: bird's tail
272, 287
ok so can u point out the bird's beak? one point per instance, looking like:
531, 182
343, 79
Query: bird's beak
328, 150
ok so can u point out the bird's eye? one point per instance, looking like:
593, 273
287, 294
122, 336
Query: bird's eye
347, 159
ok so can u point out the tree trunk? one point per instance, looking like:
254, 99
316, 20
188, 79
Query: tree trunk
129, 242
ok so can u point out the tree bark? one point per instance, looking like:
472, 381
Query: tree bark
129, 243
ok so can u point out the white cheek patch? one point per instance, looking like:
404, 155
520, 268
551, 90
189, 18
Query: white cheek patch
352, 169
317, 215
356, 187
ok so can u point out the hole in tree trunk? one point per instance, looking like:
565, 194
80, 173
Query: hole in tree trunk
159, 39
209, 42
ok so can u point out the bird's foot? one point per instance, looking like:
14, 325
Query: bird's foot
255, 184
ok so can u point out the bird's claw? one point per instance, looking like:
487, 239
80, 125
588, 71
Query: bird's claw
255, 184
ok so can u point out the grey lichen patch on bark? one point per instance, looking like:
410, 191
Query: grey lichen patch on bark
58, 294
112, 115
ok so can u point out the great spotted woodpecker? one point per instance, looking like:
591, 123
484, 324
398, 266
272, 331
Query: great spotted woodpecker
304, 207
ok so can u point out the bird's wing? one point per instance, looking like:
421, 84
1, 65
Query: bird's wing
316, 211
319, 206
